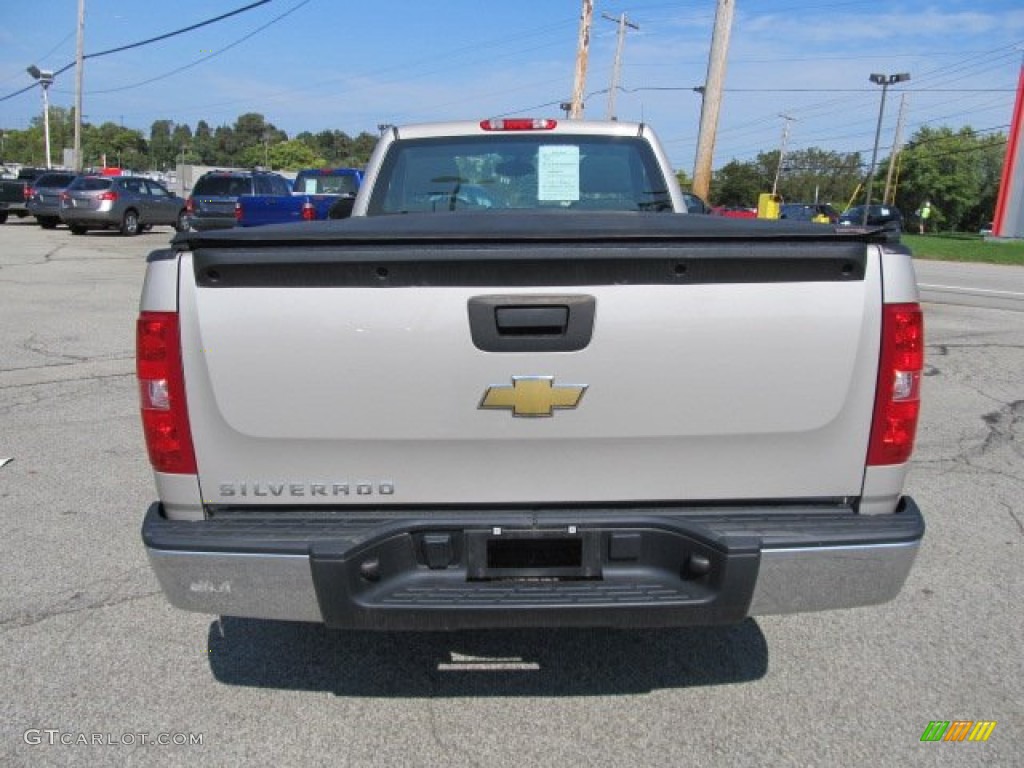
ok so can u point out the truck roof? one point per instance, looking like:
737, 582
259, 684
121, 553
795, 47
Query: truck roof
497, 125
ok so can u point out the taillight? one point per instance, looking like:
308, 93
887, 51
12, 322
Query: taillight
190, 205
162, 393
308, 211
238, 211
898, 397
28, 192
519, 124
111, 196
65, 197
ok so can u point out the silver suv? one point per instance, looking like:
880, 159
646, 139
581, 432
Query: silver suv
131, 204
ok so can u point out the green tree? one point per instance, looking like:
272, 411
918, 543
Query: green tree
25, 147
226, 149
814, 174
294, 155
738, 183
362, 147
956, 170
161, 146
203, 143
115, 145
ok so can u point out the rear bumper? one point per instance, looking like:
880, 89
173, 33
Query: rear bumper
43, 209
89, 218
629, 568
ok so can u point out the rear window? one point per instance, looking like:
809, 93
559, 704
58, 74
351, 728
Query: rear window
520, 172
90, 183
326, 184
271, 185
223, 186
55, 180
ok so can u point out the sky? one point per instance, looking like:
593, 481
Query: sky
313, 65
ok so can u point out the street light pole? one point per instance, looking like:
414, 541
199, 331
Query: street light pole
45, 78
885, 81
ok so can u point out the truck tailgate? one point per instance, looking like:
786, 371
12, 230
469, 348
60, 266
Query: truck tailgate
350, 371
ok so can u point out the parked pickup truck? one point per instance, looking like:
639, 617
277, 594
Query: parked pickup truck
318, 193
539, 394
15, 193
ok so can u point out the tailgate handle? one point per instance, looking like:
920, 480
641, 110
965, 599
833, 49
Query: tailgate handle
531, 321
524, 323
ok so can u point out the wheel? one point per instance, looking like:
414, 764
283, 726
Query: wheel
77, 229
48, 222
180, 223
3, 217
130, 223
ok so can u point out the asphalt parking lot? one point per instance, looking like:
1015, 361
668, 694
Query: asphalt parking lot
90, 651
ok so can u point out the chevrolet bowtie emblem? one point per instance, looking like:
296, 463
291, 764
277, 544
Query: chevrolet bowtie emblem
533, 396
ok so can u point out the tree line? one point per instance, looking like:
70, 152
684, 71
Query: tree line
250, 141
958, 172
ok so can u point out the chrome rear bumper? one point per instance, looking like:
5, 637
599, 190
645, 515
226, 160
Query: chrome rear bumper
651, 570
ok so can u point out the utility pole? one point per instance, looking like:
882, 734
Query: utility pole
897, 147
582, 52
79, 61
782, 151
712, 98
623, 22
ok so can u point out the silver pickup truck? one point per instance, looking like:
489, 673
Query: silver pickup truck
520, 387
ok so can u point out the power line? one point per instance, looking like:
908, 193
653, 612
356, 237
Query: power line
422, 71
202, 59
147, 42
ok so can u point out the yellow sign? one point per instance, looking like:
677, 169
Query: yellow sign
532, 396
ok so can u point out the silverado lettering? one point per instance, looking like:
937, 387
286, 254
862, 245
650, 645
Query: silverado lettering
306, 489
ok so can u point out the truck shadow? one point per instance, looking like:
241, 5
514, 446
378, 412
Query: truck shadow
598, 662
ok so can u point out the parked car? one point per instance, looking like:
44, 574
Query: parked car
886, 216
986, 229
316, 193
212, 202
44, 197
694, 204
128, 203
822, 213
14, 193
734, 212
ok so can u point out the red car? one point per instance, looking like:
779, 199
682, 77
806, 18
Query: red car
734, 212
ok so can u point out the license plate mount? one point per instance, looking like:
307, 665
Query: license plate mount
562, 554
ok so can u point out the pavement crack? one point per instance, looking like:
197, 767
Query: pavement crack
54, 252
99, 358
31, 344
27, 619
1013, 516
1002, 427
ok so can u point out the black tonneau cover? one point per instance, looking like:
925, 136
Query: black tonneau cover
531, 226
